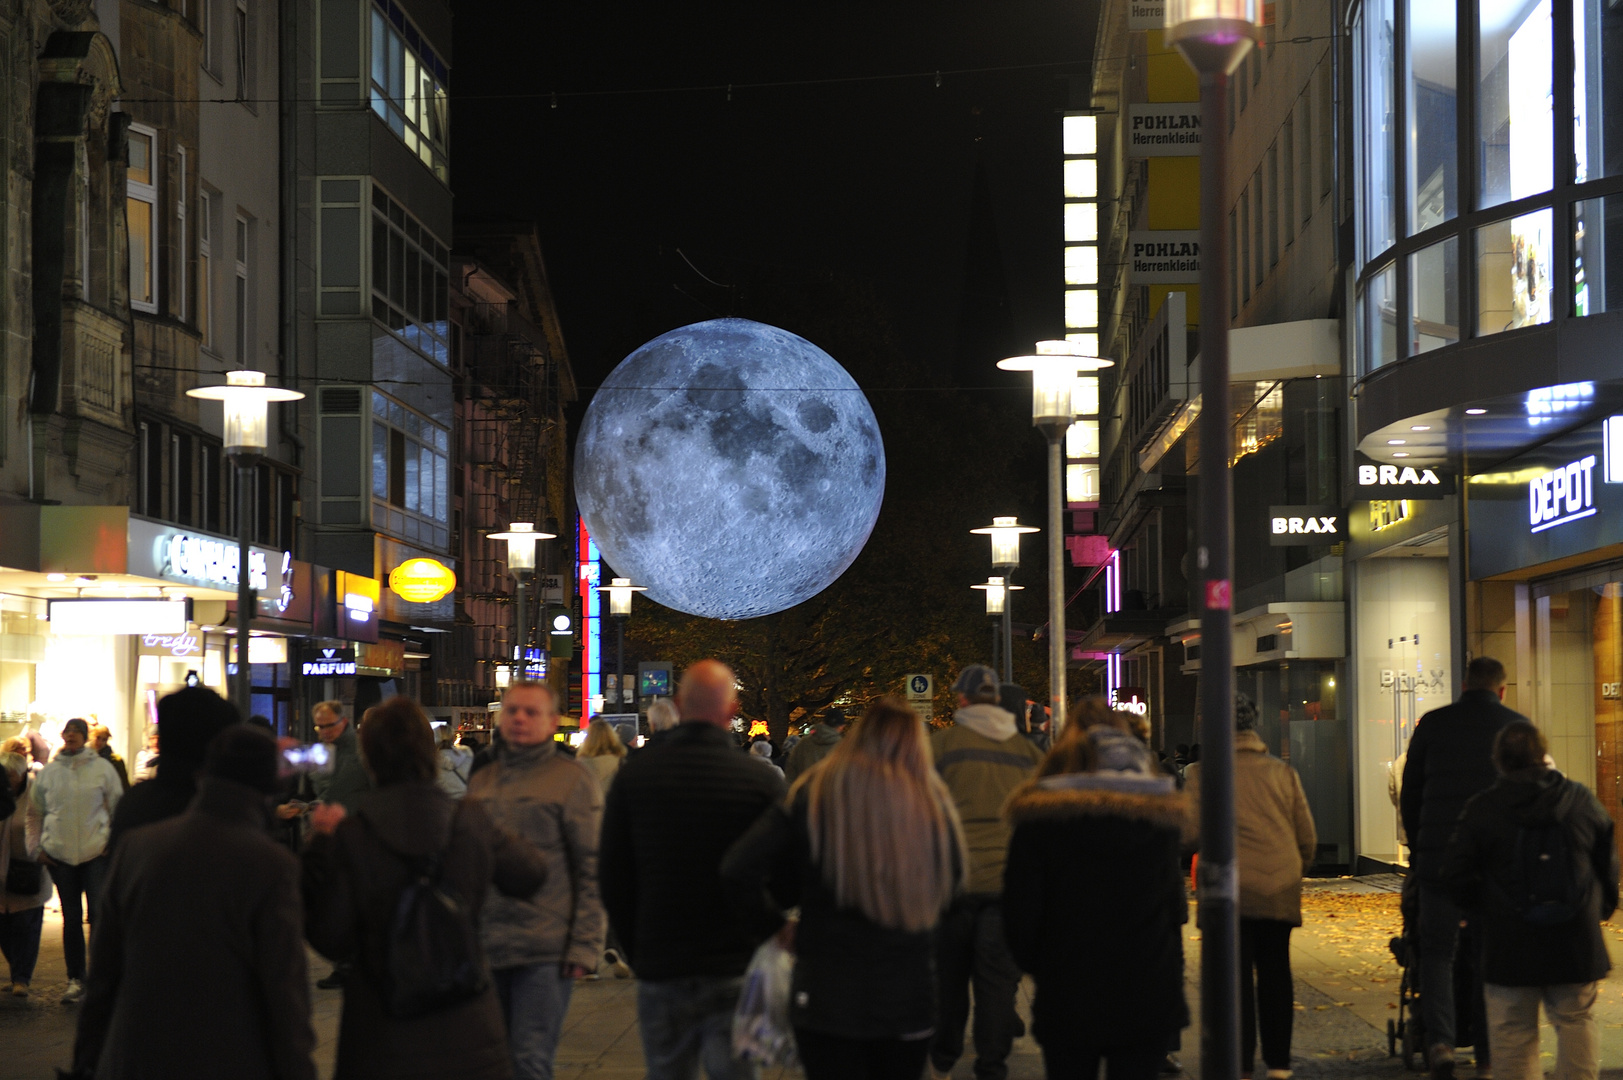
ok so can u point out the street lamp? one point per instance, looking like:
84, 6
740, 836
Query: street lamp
246, 402
620, 590
997, 596
1054, 368
521, 537
1006, 533
1214, 36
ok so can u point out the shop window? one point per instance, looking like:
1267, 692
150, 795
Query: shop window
1380, 319
141, 213
1514, 103
409, 88
1598, 265
1377, 126
1434, 296
1513, 272
1597, 33
1433, 101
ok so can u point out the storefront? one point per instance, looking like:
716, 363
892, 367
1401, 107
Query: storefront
101, 614
1546, 548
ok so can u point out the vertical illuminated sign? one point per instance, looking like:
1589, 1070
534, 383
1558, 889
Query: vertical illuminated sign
1079, 139
591, 663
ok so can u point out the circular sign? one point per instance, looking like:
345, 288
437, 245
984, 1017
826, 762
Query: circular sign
919, 685
422, 581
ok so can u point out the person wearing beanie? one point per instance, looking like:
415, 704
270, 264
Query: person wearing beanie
982, 757
198, 963
1276, 842
187, 721
75, 796
816, 746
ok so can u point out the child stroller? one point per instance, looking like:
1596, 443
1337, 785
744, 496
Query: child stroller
1406, 1035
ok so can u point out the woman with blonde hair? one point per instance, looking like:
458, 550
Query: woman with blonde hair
602, 752
870, 848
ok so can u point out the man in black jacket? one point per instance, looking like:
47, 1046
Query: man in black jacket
1450, 759
1534, 862
188, 720
671, 815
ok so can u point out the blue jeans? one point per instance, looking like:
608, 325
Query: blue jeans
72, 881
19, 941
534, 1000
687, 1021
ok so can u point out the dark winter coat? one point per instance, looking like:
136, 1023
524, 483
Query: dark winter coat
672, 813
352, 880
1093, 906
197, 964
810, 750
1450, 759
1482, 867
165, 796
853, 978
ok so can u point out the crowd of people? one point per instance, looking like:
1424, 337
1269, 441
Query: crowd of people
913, 873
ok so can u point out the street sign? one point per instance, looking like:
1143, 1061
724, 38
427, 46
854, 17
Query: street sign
920, 687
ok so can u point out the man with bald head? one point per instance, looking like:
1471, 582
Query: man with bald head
674, 810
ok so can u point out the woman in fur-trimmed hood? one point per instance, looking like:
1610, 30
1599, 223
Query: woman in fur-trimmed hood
1094, 904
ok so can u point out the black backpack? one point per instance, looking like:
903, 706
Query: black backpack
431, 956
1546, 874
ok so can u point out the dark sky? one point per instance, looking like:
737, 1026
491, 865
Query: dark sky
871, 181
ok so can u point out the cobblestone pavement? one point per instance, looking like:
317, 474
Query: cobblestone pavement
1346, 991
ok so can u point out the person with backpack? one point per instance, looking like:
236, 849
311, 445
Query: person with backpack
1533, 860
1449, 759
399, 884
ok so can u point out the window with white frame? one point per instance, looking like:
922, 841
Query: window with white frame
205, 267
408, 86
410, 473
141, 211
242, 56
410, 283
182, 252
244, 232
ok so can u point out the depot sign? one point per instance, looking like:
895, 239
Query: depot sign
1301, 526
1562, 495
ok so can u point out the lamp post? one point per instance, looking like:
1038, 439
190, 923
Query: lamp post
997, 602
1054, 368
246, 402
1006, 533
620, 590
521, 537
1214, 36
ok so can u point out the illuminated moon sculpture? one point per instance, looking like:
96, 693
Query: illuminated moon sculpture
733, 468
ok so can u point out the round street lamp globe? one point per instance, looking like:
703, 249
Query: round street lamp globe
733, 468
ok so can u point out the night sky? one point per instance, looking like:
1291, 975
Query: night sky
641, 196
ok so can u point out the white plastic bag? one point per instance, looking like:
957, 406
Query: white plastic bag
761, 1030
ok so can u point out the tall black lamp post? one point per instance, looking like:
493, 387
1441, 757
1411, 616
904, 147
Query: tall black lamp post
521, 538
246, 402
1214, 36
1006, 533
620, 591
997, 603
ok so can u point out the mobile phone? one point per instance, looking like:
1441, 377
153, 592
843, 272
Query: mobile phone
303, 759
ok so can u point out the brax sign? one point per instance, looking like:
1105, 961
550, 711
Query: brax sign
1294, 526
1562, 495
1401, 482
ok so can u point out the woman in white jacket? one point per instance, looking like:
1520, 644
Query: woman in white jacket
75, 795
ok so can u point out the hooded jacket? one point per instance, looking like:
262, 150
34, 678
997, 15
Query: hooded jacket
1483, 870
1450, 759
1093, 906
352, 881
76, 795
1275, 839
555, 803
197, 966
982, 757
810, 750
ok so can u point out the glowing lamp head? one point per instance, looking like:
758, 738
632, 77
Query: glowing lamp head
620, 590
1054, 367
246, 400
521, 537
997, 594
1213, 35
1005, 533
